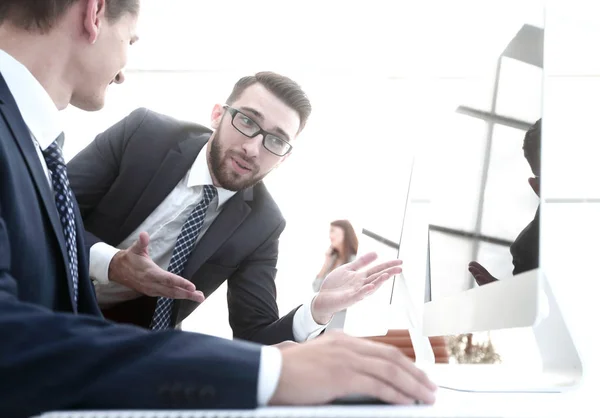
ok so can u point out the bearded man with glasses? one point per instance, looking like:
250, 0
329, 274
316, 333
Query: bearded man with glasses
173, 209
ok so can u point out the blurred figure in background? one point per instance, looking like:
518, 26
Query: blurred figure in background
343, 249
525, 249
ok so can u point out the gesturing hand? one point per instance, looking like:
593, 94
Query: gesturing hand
350, 283
135, 269
480, 273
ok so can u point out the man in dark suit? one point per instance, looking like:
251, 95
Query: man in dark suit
146, 174
56, 351
525, 249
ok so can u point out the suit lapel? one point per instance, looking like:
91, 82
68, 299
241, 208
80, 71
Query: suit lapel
233, 214
172, 169
22, 137
235, 211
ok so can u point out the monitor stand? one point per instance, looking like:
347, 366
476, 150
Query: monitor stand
561, 364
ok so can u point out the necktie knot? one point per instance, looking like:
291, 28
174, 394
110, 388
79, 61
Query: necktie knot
210, 192
54, 156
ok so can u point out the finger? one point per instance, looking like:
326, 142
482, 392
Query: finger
475, 264
481, 276
482, 279
179, 293
380, 280
368, 288
362, 261
378, 268
474, 271
392, 271
392, 354
167, 279
396, 378
479, 267
140, 246
362, 293
368, 385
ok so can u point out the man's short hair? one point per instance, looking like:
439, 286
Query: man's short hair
532, 145
285, 89
42, 15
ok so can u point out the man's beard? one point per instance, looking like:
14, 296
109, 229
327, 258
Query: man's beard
226, 177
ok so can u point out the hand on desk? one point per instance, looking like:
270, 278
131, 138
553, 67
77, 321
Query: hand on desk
480, 273
135, 269
337, 365
348, 284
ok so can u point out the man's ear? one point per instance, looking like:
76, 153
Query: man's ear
216, 116
94, 11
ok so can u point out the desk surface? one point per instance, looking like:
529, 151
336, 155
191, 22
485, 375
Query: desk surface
449, 404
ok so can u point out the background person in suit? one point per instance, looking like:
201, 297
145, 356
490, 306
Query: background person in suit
137, 184
343, 249
525, 249
56, 351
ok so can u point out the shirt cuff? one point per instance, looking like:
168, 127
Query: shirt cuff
101, 255
269, 372
304, 326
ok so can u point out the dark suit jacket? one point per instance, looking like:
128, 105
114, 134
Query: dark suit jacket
52, 358
127, 171
525, 249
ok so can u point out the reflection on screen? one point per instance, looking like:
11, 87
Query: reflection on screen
485, 220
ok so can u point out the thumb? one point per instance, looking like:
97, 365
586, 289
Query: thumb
140, 247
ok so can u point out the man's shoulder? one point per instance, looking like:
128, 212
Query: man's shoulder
151, 123
262, 200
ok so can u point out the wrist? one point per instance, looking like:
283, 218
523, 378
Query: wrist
113, 267
319, 316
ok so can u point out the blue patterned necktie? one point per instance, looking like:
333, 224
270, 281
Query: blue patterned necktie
64, 205
183, 247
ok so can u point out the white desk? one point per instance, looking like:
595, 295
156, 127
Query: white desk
450, 404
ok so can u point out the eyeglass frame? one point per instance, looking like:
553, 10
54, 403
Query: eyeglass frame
233, 111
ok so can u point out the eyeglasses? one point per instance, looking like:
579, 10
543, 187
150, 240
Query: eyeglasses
246, 126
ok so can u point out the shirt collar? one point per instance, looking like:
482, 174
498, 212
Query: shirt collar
37, 108
200, 176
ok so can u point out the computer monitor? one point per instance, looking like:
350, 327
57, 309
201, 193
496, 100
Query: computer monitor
482, 269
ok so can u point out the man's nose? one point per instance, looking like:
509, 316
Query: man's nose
120, 78
252, 146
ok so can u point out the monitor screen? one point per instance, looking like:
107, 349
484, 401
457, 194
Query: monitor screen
485, 211
485, 217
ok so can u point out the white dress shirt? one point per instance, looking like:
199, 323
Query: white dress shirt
43, 120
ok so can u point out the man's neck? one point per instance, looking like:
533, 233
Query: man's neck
42, 56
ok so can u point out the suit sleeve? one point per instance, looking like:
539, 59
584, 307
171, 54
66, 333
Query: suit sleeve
93, 171
252, 297
61, 361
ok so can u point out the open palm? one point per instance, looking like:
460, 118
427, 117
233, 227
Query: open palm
350, 283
